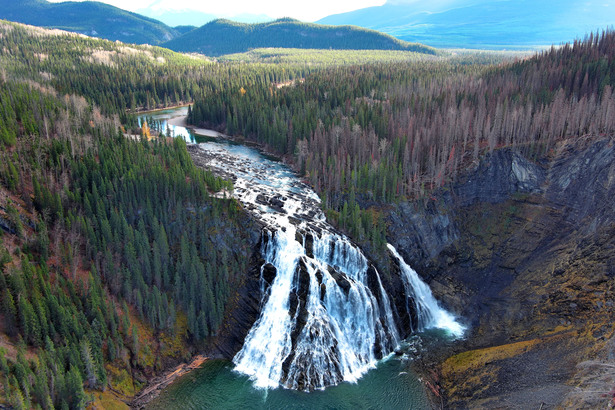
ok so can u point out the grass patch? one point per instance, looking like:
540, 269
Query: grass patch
475, 359
175, 346
107, 400
121, 381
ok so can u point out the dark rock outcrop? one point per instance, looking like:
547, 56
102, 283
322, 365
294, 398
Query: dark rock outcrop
523, 252
422, 230
244, 309
268, 273
404, 313
582, 184
498, 176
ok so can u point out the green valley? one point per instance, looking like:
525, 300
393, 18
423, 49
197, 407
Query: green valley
340, 158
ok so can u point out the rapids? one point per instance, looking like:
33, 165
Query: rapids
325, 315
321, 323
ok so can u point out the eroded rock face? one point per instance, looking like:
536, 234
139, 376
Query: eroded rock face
319, 310
582, 184
525, 253
498, 176
422, 230
244, 309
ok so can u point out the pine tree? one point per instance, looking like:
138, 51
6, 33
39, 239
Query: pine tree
74, 393
88, 364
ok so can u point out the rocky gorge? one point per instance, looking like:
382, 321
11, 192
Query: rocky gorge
325, 313
524, 250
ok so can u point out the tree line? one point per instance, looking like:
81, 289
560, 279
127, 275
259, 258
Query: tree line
386, 132
109, 233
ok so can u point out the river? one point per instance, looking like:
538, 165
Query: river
172, 122
328, 327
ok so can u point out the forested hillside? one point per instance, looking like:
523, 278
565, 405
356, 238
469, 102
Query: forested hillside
387, 132
115, 258
127, 77
91, 18
225, 37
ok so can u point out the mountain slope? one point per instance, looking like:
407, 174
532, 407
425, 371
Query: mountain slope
481, 23
161, 10
63, 326
91, 18
225, 37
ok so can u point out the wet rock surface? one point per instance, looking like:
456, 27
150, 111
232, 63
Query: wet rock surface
340, 318
243, 311
268, 273
403, 312
524, 253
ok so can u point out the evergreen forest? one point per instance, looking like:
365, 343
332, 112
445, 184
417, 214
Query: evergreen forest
120, 257
384, 132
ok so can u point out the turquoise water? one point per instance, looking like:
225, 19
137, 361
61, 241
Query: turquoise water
161, 124
216, 386
390, 385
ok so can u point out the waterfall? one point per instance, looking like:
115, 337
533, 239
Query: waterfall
325, 314
428, 311
320, 322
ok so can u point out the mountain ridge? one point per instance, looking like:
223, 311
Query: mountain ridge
481, 24
284, 33
91, 18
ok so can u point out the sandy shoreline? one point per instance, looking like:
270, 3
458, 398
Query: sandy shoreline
180, 121
171, 107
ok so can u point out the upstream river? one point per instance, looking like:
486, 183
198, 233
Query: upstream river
327, 332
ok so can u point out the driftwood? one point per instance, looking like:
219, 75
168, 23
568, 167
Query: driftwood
156, 385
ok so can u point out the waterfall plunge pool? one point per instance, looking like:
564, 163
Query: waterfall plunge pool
390, 385
218, 384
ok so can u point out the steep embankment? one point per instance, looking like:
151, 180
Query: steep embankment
524, 252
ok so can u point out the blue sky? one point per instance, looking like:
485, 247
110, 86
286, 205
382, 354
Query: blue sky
309, 10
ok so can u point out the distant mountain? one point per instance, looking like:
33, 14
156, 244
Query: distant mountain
184, 29
91, 18
226, 37
493, 24
172, 16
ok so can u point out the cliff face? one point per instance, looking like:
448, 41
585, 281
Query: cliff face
524, 252
243, 312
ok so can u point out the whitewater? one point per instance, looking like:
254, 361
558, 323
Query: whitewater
325, 316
